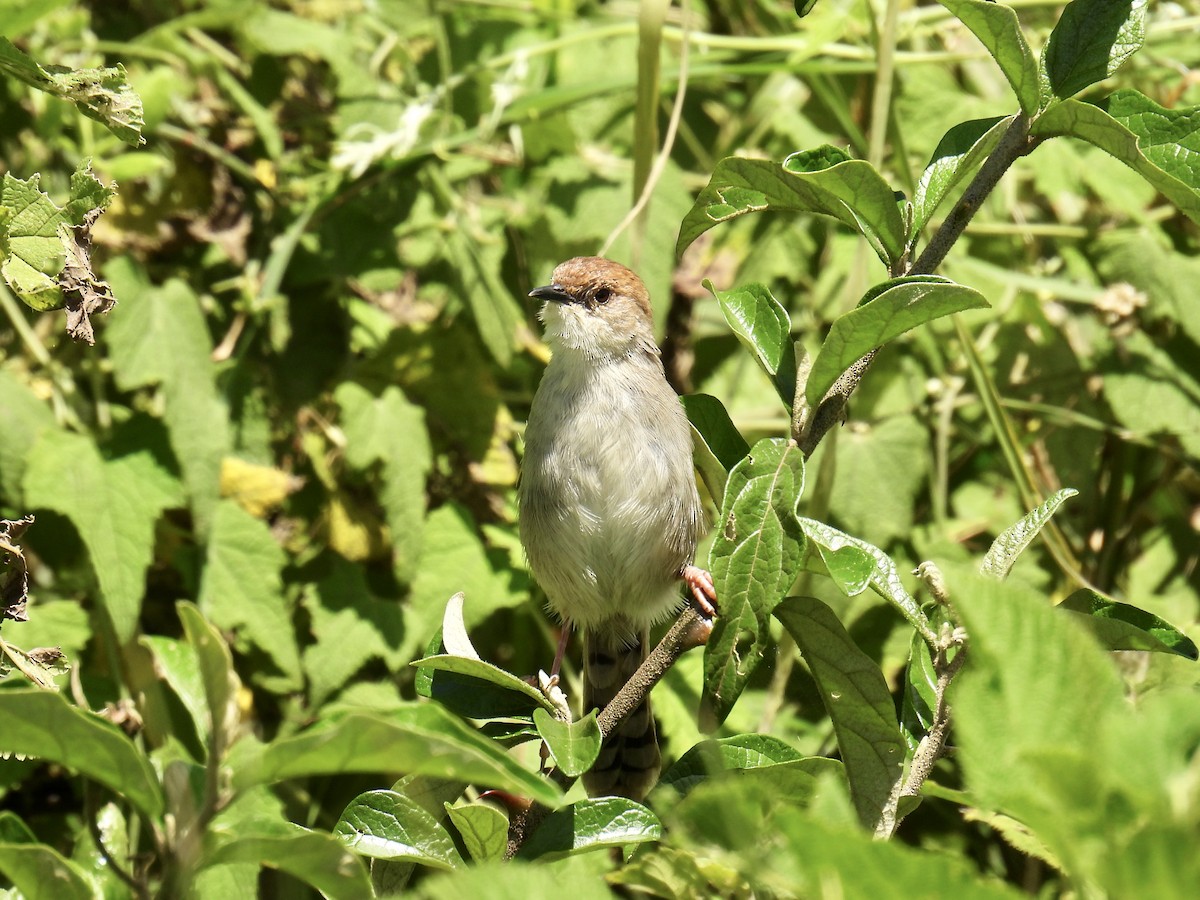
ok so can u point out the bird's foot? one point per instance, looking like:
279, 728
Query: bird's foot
704, 592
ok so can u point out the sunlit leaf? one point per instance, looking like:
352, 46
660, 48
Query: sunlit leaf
1119, 626
592, 825
1092, 39
997, 27
388, 825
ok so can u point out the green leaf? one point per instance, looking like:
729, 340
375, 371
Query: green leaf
754, 560
313, 857
39, 239
418, 738
113, 504
388, 825
825, 181
775, 763
574, 745
163, 339
885, 312
371, 425
763, 327
1119, 626
221, 684
884, 578
41, 724
1012, 542
858, 701
102, 94
592, 825
13, 829
998, 29
1161, 145
477, 269
1092, 39
39, 872
920, 693
483, 828
717, 445
176, 663
957, 155
23, 418
242, 588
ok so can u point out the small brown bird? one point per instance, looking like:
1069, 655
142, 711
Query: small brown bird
609, 510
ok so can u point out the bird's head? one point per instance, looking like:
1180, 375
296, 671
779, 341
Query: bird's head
596, 307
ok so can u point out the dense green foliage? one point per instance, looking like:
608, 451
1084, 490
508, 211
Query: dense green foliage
296, 437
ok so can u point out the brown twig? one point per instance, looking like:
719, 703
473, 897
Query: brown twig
690, 630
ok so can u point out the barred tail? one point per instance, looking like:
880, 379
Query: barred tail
629, 762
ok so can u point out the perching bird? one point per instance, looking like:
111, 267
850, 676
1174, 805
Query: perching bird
609, 511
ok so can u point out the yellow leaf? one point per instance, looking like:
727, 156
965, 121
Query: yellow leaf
354, 531
256, 489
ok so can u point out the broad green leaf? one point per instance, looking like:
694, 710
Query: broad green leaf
717, 445
23, 418
38, 239
1119, 626
176, 663
483, 828
1012, 542
997, 28
102, 94
885, 312
390, 430
1034, 712
763, 328
518, 697
13, 829
858, 701
162, 337
241, 589
957, 155
884, 578
417, 738
515, 880
825, 181
1092, 39
40, 872
41, 724
113, 504
476, 262
920, 693
754, 560
313, 857
750, 756
574, 745
592, 825
1161, 145
388, 825
221, 684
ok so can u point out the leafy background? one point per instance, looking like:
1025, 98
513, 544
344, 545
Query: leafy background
304, 416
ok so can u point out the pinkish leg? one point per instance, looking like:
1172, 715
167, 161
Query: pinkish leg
704, 592
564, 636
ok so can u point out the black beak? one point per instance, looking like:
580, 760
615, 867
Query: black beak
551, 292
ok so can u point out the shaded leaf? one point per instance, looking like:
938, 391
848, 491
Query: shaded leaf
40, 872
885, 312
717, 445
518, 697
754, 560
1092, 39
592, 825
1119, 626
389, 825
483, 828
416, 738
920, 693
41, 724
858, 701
824, 181
997, 27
1012, 542
313, 857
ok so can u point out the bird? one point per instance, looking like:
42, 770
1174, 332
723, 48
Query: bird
608, 509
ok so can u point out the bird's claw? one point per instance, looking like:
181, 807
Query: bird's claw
704, 592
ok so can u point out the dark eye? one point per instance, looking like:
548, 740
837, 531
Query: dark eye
602, 295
